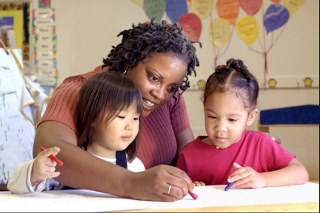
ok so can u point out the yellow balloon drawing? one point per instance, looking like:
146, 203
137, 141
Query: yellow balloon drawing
138, 2
202, 8
292, 5
219, 32
247, 29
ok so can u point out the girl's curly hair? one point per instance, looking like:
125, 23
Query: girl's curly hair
147, 38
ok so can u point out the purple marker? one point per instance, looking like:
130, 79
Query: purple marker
237, 166
193, 195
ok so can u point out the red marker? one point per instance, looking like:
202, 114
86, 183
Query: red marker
193, 195
52, 157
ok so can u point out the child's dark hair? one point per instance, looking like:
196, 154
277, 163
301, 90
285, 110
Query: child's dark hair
101, 98
148, 38
236, 78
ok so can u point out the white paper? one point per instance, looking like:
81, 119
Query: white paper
91, 201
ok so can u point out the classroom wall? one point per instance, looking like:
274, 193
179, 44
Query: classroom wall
86, 30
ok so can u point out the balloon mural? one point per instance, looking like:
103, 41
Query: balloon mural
249, 28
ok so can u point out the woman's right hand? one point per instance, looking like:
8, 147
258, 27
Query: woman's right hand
82, 170
159, 183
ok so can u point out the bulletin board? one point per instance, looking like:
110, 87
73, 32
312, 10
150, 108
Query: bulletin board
16, 15
258, 25
292, 58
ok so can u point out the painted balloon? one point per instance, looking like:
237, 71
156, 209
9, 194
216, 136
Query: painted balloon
275, 17
248, 29
203, 8
175, 9
251, 7
219, 32
138, 2
191, 25
228, 9
154, 8
293, 5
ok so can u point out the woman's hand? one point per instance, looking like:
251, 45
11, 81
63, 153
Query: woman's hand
159, 183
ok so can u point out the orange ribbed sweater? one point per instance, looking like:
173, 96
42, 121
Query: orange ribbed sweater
158, 130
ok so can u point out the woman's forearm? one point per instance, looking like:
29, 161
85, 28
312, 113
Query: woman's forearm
80, 169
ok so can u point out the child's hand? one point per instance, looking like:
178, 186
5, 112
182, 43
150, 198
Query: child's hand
199, 183
43, 166
247, 177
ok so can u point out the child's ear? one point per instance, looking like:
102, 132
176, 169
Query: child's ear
252, 116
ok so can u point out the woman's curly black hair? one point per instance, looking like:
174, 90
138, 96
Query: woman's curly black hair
147, 38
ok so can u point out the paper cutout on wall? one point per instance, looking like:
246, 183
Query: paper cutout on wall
191, 25
247, 29
175, 9
12, 20
275, 17
202, 8
307, 82
138, 2
201, 83
251, 7
44, 43
219, 32
154, 8
20, 12
272, 83
293, 5
228, 9
44, 3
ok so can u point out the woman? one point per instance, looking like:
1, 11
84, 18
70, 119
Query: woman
158, 58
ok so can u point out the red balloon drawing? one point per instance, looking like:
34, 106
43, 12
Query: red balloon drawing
251, 7
191, 25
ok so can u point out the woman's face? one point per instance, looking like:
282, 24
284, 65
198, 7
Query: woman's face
158, 78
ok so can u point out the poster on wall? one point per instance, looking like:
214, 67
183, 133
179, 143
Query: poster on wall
14, 26
259, 26
44, 46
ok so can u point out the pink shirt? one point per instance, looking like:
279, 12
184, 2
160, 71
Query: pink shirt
158, 143
213, 166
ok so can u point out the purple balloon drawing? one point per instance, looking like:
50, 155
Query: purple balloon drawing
175, 9
275, 17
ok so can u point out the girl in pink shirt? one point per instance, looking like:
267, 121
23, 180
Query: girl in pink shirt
230, 99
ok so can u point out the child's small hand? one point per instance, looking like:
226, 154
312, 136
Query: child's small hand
247, 177
199, 183
43, 166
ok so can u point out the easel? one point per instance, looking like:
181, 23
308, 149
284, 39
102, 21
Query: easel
2, 45
12, 55
8, 44
8, 40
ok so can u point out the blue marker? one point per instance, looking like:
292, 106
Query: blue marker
237, 166
228, 186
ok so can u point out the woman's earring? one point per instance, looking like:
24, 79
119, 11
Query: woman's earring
125, 72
